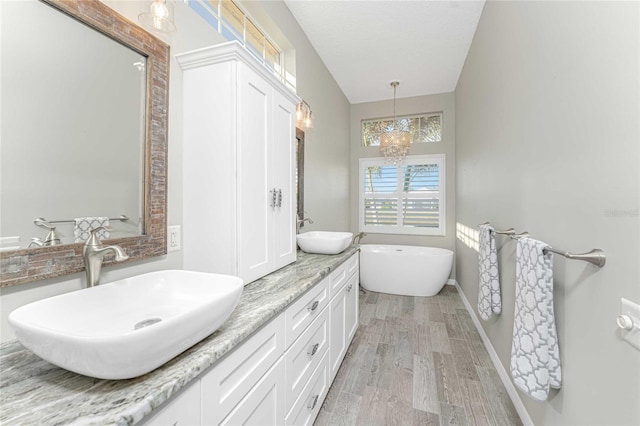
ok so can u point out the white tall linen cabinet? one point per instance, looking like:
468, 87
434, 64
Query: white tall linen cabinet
239, 198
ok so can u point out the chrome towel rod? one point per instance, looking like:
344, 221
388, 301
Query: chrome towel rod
596, 256
40, 221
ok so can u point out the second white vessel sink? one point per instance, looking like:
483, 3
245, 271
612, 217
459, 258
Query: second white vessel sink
324, 242
129, 327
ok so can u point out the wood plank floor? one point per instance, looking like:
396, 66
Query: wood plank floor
416, 361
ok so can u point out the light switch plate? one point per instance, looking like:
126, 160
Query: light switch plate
173, 238
627, 307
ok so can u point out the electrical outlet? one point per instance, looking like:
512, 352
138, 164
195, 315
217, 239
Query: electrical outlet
173, 238
631, 311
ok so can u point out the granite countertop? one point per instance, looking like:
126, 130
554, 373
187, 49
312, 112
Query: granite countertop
33, 391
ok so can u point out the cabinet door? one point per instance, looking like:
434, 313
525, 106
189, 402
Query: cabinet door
233, 377
284, 243
304, 355
337, 346
181, 410
255, 192
307, 406
264, 404
351, 308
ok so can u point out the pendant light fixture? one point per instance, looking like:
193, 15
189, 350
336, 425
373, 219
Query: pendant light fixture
395, 142
159, 17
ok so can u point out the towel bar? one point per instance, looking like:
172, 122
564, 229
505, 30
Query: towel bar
509, 231
42, 222
596, 256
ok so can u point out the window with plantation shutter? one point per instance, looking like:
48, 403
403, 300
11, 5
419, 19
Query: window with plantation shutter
403, 198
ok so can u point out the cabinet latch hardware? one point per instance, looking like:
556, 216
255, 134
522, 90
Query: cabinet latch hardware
313, 349
279, 197
313, 306
313, 402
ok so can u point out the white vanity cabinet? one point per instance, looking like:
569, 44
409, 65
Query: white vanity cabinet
238, 164
282, 373
181, 410
229, 388
343, 311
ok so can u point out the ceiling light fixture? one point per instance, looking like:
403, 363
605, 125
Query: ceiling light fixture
395, 142
159, 17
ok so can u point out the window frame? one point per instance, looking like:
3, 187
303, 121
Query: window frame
399, 119
399, 195
212, 11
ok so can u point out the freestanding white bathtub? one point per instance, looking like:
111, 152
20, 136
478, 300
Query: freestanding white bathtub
404, 270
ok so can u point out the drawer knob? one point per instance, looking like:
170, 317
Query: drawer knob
313, 349
313, 306
313, 402
349, 287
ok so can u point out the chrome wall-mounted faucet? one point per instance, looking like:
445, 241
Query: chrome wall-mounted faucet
93, 253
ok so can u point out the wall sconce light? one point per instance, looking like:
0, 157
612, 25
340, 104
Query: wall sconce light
159, 17
304, 118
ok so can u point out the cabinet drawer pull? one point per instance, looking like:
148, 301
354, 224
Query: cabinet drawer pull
279, 197
313, 306
313, 349
349, 287
313, 402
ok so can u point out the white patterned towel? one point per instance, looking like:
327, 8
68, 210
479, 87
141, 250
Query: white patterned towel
83, 226
535, 356
489, 300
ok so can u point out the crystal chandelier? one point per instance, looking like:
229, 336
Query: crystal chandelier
395, 142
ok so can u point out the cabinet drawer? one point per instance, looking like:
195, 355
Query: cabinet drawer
342, 273
352, 264
233, 377
306, 408
304, 355
302, 312
181, 410
263, 405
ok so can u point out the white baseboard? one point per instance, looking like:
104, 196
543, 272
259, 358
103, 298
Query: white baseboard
452, 282
504, 376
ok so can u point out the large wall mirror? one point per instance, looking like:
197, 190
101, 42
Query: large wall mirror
84, 135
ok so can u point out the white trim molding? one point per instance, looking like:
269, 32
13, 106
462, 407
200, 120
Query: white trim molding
504, 376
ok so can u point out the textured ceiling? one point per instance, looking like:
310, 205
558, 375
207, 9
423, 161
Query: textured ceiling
366, 44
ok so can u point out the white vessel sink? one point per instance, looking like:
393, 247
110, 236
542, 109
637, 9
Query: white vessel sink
127, 328
324, 242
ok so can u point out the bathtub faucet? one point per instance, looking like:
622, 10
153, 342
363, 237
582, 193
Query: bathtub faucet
358, 237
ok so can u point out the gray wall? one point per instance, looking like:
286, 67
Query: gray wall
407, 106
326, 177
327, 155
548, 141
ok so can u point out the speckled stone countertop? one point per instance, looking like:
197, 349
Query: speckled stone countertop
33, 391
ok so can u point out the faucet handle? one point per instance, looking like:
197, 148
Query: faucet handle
93, 239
